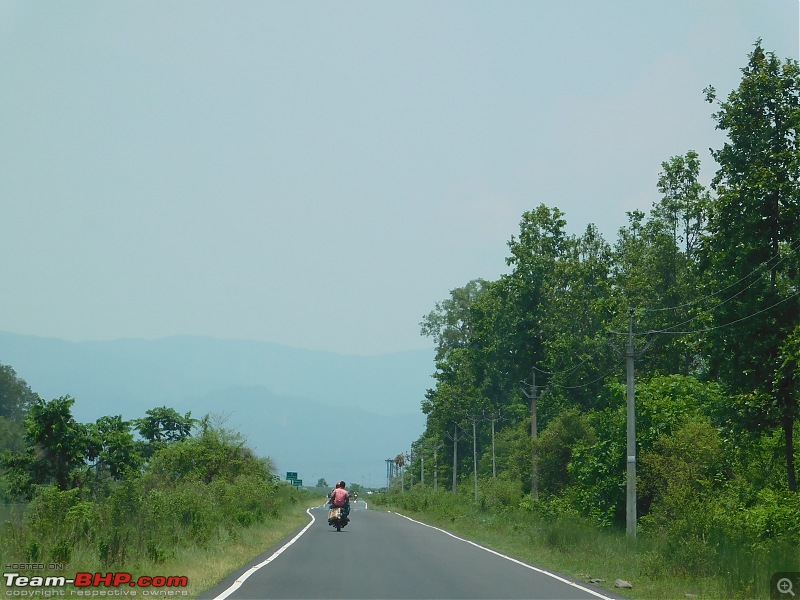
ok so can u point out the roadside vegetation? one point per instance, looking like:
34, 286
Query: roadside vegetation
733, 561
703, 294
183, 498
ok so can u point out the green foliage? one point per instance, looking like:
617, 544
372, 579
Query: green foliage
12, 435
502, 493
682, 473
598, 470
754, 234
554, 447
449, 323
513, 449
59, 443
16, 396
215, 453
664, 402
113, 447
162, 426
192, 493
15, 400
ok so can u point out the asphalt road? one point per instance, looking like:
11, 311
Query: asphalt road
384, 556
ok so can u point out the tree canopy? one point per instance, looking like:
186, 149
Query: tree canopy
710, 276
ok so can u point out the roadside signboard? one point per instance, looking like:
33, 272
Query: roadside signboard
297, 482
290, 476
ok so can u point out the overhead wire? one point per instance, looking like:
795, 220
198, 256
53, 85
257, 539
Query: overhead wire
671, 329
762, 266
588, 383
667, 330
750, 316
565, 371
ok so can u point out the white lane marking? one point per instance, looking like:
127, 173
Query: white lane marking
240, 580
514, 560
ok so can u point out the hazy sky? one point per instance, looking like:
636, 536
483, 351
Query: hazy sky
319, 174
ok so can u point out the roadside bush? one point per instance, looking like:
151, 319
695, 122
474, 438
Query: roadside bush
501, 493
214, 454
555, 446
442, 503
682, 474
598, 470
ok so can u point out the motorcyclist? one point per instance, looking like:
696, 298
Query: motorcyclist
340, 497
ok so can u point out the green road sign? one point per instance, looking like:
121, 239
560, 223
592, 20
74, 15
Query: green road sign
290, 476
297, 482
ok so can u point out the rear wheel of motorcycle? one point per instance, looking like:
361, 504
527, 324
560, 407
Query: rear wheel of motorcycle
338, 526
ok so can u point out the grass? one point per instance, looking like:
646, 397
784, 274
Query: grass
204, 567
207, 567
581, 551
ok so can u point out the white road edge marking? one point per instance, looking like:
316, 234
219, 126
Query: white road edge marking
514, 560
240, 580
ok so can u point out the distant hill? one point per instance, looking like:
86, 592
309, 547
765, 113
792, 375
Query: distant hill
288, 402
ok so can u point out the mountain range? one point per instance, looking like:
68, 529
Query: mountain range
320, 414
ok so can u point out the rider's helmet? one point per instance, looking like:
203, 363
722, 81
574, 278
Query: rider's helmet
338, 484
341, 484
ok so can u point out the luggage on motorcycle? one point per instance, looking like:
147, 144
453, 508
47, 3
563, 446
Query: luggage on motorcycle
334, 513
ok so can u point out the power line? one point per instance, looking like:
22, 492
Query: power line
762, 266
713, 307
587, 384
565, 371
750, 316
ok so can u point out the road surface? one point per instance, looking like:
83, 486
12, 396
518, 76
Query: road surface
384, 556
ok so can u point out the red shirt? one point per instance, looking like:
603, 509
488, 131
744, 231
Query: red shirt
340, 497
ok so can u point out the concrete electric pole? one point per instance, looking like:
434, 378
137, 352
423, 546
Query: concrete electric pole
534, 434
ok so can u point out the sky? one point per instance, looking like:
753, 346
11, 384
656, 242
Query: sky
320, 174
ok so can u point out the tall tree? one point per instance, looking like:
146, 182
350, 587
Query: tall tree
656, 263
578, 308
15, 400
16, 396
449, 323
113, 447
754, 234
684, 201
59, 443
456, 395
163, 425
541, 243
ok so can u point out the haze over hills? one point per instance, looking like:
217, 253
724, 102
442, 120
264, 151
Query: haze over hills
318, 413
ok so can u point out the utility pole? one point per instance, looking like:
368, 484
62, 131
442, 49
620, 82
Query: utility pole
388, 472
630, 500
411, 457
534, 434
455, 458
630, 375
436, 466
494, 464
422, 465
435, 469
474, 459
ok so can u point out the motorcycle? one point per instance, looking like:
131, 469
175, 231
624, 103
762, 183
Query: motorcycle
336, 517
